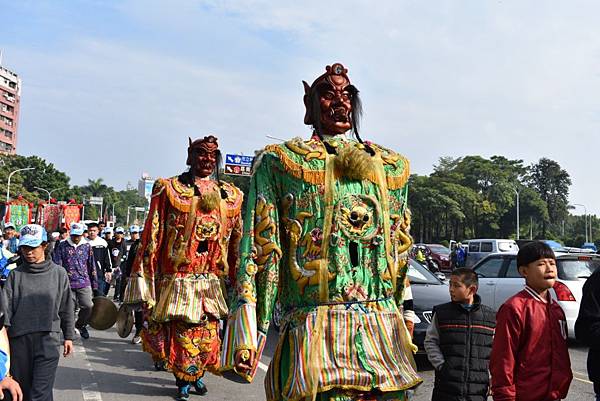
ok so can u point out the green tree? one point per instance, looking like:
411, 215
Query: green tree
552, 183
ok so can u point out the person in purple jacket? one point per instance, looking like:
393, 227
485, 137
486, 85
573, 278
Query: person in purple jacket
77, 257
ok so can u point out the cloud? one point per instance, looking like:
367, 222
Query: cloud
510, 78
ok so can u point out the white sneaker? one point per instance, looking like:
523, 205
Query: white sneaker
136, 340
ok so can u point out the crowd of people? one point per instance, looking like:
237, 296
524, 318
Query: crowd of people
326, 237
52, 277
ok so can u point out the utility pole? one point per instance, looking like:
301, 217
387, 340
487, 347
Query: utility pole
531, 227
518, 228
584, 219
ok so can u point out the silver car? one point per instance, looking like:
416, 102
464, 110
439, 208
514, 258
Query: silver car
499, 279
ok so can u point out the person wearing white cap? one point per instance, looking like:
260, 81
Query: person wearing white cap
77, 257
40, 307
108, 233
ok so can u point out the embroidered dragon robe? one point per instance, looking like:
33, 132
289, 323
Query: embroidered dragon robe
188, 252
326, 236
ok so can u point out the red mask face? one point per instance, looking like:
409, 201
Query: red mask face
336, 105
204, 161
335, 99
203, 156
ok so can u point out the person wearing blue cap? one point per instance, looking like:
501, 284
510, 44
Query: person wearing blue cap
77, 257
38, 307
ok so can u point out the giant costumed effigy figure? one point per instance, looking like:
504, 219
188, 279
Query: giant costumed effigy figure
326, 234
189, 248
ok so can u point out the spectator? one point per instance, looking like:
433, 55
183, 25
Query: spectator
11, 242
77, 257
108, 234
63, 234
587, 327
461, 255
9, 388
134, 230
102, 257
530, 357
38, 307
459, 341
118, 250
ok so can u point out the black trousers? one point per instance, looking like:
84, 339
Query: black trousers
34, 360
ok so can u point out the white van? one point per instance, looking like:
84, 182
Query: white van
480, 248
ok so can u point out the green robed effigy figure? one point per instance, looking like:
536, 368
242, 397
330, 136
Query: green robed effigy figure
326, 235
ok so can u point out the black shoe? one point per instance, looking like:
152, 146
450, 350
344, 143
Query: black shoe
160, 366
183, 393
83, 332
200, 387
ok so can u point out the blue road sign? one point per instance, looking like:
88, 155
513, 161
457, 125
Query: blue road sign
239, 160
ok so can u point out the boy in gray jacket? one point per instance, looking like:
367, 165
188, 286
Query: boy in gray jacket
37, 306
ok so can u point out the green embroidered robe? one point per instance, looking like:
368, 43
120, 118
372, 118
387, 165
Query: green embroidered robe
325, 235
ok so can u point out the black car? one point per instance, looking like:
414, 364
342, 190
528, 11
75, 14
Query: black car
428, 291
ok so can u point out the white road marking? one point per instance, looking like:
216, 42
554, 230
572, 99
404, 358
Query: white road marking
89, 390
580, 379
262, 366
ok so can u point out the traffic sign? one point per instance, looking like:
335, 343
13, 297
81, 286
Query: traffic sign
238, 170
239, 160
238, 164
96, 200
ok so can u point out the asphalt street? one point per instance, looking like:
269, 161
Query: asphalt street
109, 368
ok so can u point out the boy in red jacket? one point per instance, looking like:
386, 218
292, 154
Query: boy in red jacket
530, 357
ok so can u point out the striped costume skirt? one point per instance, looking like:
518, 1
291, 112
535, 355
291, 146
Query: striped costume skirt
343, 354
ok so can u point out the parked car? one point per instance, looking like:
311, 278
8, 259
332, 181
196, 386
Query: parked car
428, 291
480, 248
589, 245
499, 279
440, 254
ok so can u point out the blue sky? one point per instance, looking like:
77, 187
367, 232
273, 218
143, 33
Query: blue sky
113, 89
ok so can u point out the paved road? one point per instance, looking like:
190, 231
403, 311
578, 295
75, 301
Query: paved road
109, 368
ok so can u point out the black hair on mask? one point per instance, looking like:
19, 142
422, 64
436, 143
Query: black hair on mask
533, 251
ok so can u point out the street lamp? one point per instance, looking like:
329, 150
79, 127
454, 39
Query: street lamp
10, 176
518, 228
113, 211
49, 192
584, 219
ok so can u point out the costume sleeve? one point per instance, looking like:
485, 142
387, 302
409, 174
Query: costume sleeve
258, 273
233, 252
408, 308
91, 266
140, 285
432, 344
587, 326
401, 241
504, 351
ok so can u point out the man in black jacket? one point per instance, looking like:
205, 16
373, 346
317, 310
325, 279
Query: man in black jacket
102, 257
587, 327
134, 231
459, 341
118, 249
